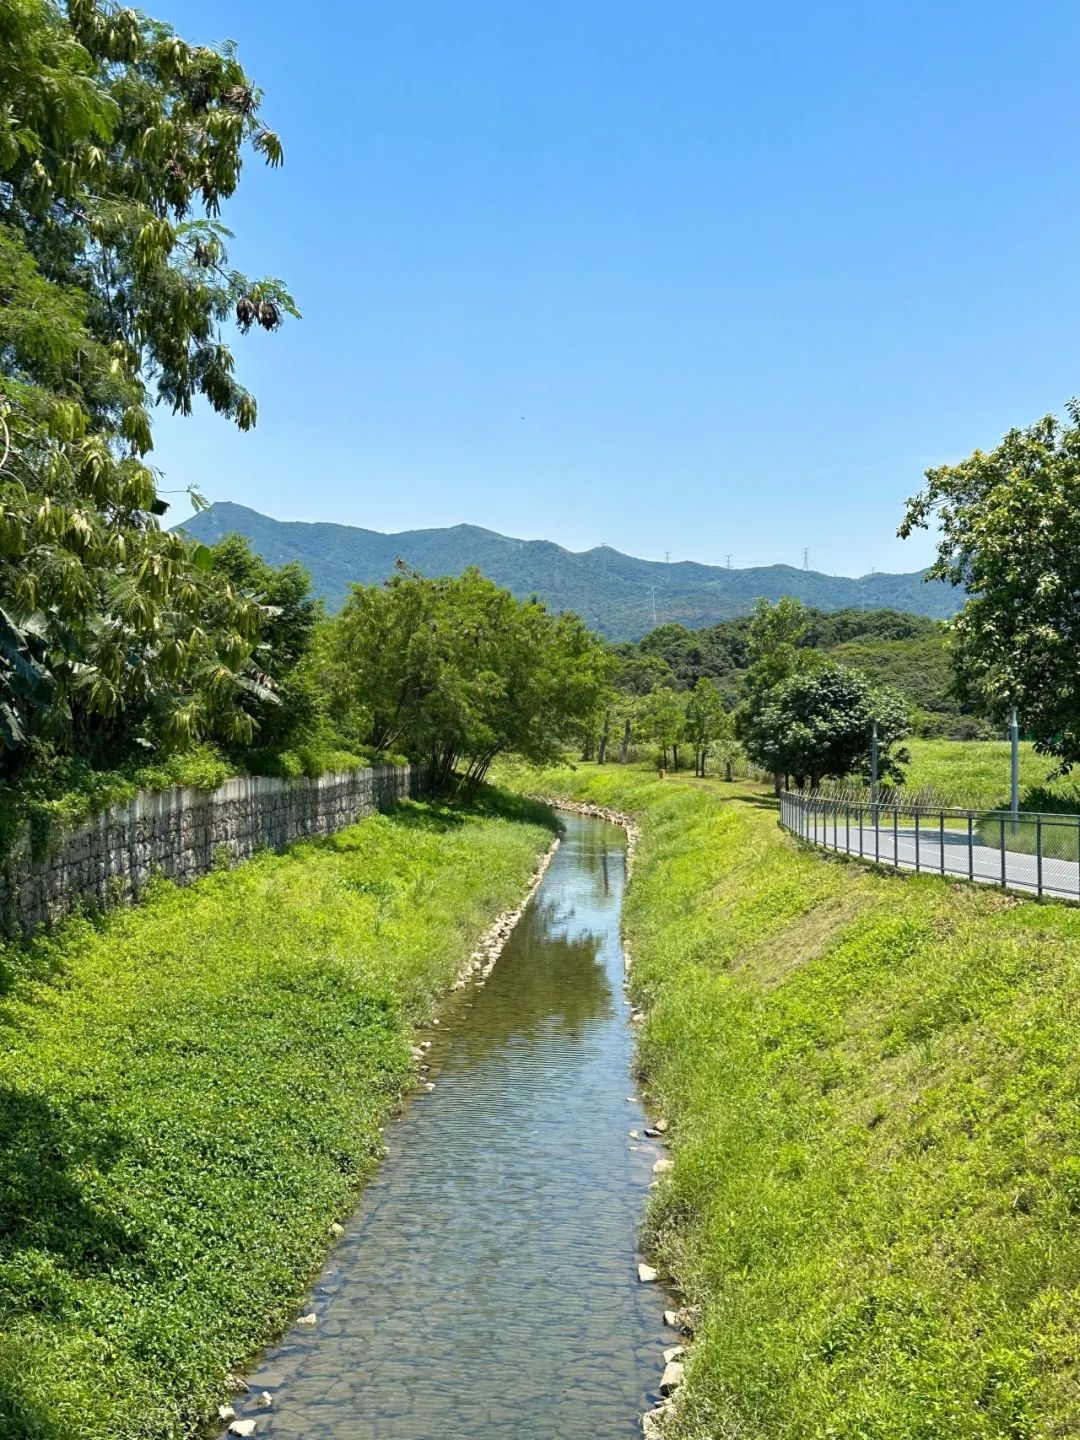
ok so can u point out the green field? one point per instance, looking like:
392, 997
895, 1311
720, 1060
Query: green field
190, 1093
977, 771
873, 1084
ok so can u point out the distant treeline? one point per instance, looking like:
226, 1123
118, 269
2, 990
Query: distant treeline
891, 647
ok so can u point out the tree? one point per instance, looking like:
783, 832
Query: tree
281, 661
114, 291
456, 671
1009, 524
819, 723
662, 722
776, 650
706, 721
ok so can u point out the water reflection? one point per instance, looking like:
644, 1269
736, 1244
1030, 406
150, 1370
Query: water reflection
486, 1286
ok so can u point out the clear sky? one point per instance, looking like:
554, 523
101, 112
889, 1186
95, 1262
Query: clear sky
686, 277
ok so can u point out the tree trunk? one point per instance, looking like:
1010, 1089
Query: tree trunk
727, 771
625, 742
601, 754
778, 783
675, 758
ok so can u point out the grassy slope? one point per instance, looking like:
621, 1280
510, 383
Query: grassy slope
874, 1088
978, 769
190, 1093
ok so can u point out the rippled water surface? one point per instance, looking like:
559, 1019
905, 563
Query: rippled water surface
486, 1286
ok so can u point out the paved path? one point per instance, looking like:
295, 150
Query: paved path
956, 856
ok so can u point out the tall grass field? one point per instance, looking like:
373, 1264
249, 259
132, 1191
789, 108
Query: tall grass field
873, 1087
978, 772
190, 1093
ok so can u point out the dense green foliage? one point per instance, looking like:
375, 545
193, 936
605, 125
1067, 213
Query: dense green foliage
118, 145
190, 1094
871, 1082
910, 653
707, 725
921, 669
613, 593
819, 722
1010, 533
455, 672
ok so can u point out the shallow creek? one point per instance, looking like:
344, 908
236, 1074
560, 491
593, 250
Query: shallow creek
486, 1285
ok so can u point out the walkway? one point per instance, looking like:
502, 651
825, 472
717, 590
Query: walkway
947, 844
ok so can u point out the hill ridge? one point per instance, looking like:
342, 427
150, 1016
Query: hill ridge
612, 591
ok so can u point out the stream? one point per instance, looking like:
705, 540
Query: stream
486, 1284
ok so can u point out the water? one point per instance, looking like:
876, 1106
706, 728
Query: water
487, 1285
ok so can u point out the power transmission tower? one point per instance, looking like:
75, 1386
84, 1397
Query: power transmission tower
652, 589
667, 557
729, 562
806, 557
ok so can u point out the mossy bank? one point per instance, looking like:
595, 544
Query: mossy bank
873, 1084
190, 1095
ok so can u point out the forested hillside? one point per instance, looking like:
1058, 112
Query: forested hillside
613, 593
907, 652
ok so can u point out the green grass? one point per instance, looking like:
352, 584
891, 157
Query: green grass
977, 771
873, 1083
190, 1093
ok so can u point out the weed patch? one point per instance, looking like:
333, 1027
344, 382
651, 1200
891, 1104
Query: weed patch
190, 1092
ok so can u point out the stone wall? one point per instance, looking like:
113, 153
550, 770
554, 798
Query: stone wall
181, 834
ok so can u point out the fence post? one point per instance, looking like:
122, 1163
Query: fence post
941, 837
877, 833
917, 866
971, 846
896, 837
1038, 853
847, 828
1002, 852
862, 823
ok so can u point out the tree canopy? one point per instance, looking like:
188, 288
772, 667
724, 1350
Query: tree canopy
818, 723
119, 144
456, 671
1009, 523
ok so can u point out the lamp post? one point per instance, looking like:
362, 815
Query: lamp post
1014, 795
874, 771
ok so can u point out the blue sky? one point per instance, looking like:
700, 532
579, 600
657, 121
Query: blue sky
689, 277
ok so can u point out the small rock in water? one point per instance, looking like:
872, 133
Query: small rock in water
645, 1273
652, 1131
663, 1165
651, 1423
672, 1377
425, 1045
633, 1135
661, 1126
417, 1052
631, 1099
674, 1352
236, 1385
429, 1086
336, 1229
225, 1413
309, 1319
265, 1400
242, 1427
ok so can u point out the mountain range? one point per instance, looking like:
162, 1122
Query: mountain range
621, 596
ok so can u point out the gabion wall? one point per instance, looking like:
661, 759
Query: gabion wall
182, 834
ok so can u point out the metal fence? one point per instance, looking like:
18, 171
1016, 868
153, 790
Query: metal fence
1025, 851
